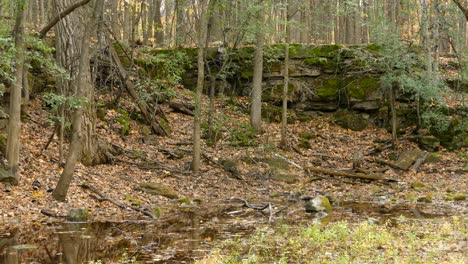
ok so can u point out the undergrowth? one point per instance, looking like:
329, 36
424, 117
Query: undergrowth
400, 241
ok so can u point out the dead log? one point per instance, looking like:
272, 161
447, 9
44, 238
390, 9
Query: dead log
419, 161
155, 125
51, 213
185, 109
390, 163
101, 197
350, 174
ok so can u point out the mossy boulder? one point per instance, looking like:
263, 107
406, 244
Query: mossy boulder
350, 120
158, 189
408, 157
318, 204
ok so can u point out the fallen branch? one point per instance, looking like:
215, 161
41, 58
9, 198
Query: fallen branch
101, 197
51, 213
185, 109
251, 206
154, 123
390, 163
350, 174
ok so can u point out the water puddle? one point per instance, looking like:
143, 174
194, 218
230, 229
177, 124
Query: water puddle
183, 237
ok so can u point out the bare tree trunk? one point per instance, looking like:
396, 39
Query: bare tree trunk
81, 90
159, 31
425, 35
436, 37
256, 104
391, 98
14, 122
127, 22
202, 36
144, 22
284, 114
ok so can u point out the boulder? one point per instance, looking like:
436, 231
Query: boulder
350, 120
318, 204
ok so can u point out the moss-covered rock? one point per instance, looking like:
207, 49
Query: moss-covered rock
362, 88
158, 189
350, 120
408, 157
318, 204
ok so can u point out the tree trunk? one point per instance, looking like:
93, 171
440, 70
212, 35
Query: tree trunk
82, 89
202, 36
256, 104
14, 122
436, 37
391, 99
158, 31
425, 35
284, 115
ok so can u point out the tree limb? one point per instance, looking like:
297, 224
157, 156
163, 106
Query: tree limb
462, 8
60, 16
350, 174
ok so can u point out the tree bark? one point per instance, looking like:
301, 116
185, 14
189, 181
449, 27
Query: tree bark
83, 83
284, 114
256, 104
159, 30
14, 122
60, 16
202, 36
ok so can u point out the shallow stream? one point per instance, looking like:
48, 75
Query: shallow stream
183, 237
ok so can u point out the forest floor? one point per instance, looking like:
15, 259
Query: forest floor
437, 189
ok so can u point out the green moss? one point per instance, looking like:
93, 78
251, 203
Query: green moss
329, 51
374, 48
132, 200
156, 211
314, 61
362, 88
165, 125
329, 88
124, 121
425, 199
158, 189
307, 135
284, 177
242, 136
417, 185
184, 200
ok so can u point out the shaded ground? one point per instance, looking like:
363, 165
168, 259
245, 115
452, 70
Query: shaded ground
438, 189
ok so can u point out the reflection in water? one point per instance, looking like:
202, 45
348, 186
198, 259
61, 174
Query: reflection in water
182, 237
